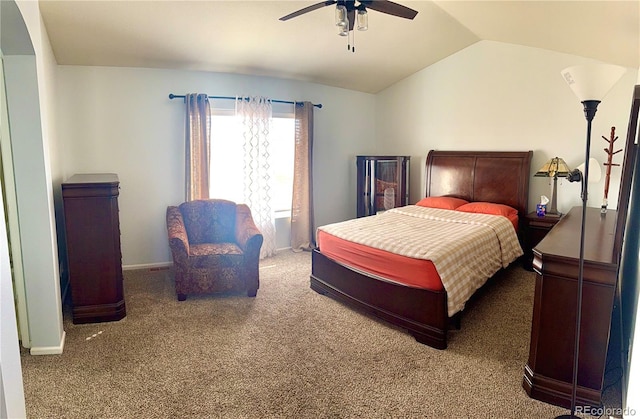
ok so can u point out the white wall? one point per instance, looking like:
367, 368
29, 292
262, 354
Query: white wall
490, 96
11, 395
29, 65
496, 96
121, 120
11, 387
28, 84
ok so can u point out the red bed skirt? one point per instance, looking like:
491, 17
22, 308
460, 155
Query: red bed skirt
418, 273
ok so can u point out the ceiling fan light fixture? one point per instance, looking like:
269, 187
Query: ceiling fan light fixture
341, 16
352, 14
362, 18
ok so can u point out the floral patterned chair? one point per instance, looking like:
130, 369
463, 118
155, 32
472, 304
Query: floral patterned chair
215, 247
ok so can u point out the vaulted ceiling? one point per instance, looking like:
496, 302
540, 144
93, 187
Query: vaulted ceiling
247, 37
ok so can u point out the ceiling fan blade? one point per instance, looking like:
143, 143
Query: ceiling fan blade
308, 9
390, 8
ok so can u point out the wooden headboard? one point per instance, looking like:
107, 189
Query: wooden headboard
491, 176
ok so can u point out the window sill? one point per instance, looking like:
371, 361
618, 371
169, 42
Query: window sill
282, 214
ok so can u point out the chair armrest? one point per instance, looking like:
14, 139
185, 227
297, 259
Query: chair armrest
178, 239
248, 237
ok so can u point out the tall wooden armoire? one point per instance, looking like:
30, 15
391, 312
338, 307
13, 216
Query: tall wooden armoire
92, 229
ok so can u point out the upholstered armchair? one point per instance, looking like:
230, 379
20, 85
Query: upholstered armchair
215, 247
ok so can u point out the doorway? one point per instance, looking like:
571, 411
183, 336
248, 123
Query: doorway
11, 218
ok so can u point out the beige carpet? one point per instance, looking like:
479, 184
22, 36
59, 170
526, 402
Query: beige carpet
289, 352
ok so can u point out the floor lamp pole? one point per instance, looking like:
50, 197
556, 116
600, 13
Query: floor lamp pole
590, 108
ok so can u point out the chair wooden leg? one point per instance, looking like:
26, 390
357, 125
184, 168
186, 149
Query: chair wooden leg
182, 297
252, 293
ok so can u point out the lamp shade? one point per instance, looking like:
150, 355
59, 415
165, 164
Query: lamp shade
556, 167
363, 20
341, 16
595, 171
592, 81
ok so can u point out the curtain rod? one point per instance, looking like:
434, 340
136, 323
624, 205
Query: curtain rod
172, 96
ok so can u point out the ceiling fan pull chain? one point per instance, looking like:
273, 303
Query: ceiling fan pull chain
353, 43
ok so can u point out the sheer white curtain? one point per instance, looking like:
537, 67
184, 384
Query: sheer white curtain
254, 114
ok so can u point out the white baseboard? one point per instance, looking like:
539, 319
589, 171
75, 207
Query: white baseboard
160, 265
49, 350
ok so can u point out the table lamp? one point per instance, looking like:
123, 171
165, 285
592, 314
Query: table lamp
554, 168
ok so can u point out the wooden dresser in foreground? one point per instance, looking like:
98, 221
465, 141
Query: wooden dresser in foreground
548, 374
92, 229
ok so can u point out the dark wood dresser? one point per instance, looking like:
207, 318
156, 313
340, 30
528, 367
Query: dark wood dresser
548, 374
92, 229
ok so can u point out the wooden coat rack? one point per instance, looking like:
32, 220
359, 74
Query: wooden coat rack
609, 150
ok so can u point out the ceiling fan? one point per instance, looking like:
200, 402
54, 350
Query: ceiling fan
348, 11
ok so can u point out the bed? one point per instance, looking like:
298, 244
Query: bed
495, 177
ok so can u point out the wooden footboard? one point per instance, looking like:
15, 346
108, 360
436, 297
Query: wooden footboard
422, 312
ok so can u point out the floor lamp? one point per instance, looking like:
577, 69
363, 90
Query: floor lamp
590, 83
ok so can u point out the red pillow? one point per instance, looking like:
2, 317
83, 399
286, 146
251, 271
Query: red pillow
488, 208
442, 202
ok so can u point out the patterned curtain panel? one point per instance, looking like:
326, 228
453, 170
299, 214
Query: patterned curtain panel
302, 233
255, 116
197, 146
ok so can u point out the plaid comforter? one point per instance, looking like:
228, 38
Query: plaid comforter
466, 249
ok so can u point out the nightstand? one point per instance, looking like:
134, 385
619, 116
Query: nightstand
535, 228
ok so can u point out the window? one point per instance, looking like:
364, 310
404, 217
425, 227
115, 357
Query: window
282, 148
226, 174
